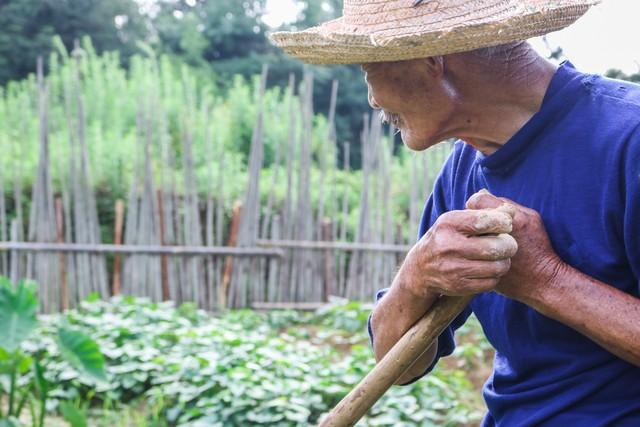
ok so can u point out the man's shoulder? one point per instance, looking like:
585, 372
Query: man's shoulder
617, 95
606, 110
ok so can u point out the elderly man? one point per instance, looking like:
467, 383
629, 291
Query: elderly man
536, 212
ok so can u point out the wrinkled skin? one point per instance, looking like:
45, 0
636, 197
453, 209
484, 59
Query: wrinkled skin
536, 264
465, 252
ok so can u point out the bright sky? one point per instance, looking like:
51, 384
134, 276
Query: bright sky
606, 37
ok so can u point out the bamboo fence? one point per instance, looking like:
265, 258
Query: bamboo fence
171, 241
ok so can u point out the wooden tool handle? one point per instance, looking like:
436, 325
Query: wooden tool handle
395, 363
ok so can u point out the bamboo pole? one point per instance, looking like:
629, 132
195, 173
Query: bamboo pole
395, 363
164, 266
117, 268
328, 282
342, 246
103, 248
64, 291
228, 263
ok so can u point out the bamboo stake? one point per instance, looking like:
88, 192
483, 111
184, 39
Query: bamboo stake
274, 288
64, 292
13, 259
103, 248
228, 263
328, 285
117, 240
395, 363
164, 266
344, 219
286, 272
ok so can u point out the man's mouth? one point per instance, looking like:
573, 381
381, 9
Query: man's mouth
391, 118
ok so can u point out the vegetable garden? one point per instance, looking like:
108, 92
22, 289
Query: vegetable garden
165, 365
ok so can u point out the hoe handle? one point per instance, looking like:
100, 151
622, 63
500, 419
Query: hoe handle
395, 363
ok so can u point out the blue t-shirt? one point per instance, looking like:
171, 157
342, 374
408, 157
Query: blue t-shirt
576, 162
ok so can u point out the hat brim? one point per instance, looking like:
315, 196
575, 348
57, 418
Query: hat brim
335, 42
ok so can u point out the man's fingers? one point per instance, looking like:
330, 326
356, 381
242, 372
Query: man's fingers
467, 286
488, 248
483, 269
486, 221
485, 200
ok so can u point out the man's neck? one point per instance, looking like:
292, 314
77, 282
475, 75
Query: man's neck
498, 100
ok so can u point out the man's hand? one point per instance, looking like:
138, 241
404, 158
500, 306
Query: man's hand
536, 264
463, 253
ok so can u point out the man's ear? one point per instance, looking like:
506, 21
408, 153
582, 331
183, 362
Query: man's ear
434, 65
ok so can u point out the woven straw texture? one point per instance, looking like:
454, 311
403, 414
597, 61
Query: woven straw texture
394, 30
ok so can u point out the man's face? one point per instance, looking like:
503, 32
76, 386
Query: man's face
415, 98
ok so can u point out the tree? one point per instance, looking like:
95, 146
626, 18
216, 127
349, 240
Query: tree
28, 27
227, 29
315, 12
620, 75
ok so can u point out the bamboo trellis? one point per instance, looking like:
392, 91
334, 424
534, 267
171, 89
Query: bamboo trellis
299, 246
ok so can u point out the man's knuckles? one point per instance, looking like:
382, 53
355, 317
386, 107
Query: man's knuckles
490, 222
487, 248
474, 222
503, 246
483, 200
483, 269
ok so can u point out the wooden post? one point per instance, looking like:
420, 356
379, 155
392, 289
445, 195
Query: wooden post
228, 263
164, 263
64, 290
395, 363
328, 288
117, 240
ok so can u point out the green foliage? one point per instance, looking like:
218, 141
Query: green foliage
179, 101
240, 369
73, 415
23, 377
17, 313
620, 75
82, 352
29, 25
211, 30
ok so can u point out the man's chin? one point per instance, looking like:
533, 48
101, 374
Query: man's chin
416, 144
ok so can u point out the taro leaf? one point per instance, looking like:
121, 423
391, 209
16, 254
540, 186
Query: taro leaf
17, 313
82, 352
6, 362
74, 416
9, 422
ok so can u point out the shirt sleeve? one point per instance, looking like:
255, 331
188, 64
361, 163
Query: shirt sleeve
436, 205
631, 221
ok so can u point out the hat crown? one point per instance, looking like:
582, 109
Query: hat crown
362, 15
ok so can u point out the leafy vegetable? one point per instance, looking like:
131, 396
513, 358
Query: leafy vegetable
83, 352
242, 368
17, 313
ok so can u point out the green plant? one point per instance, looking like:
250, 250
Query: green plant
24, 376
179, 366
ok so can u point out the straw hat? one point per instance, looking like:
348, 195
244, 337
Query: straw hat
395, 30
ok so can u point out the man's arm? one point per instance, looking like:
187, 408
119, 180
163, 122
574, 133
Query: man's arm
465, 252
603, 313
394, 315
541, 280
